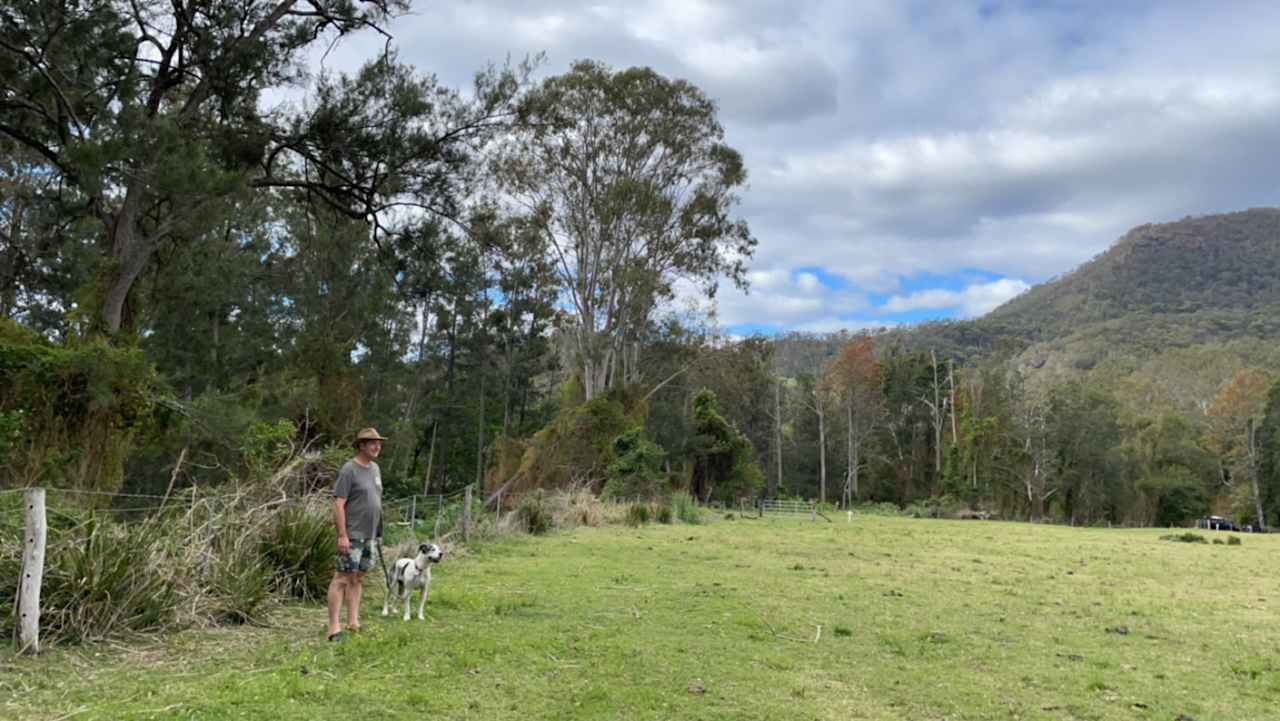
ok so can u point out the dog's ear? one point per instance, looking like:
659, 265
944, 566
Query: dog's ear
424, 548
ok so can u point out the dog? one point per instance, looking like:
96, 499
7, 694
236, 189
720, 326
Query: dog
411, 573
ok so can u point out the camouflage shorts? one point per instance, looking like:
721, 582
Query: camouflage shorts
363, 554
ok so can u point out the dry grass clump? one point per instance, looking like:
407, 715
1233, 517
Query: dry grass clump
578, 507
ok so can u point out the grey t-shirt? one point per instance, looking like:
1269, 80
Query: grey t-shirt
362, 487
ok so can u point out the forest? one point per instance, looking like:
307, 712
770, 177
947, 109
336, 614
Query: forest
204, 277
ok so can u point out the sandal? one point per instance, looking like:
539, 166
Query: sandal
338, 637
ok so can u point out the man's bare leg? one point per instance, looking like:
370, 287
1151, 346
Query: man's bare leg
355, 589
339, 588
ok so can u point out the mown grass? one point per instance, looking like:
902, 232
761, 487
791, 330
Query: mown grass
918, 619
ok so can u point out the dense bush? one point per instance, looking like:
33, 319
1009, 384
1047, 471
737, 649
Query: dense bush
69, 414
535, 512
637, 468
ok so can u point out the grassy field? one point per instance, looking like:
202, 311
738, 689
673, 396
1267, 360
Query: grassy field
882, 618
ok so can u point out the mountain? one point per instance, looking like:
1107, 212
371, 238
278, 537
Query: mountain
1211, 280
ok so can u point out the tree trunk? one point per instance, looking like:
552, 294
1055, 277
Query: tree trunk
431, 457
777, 445
480, 433
130, 252
937, 419
848, 458
822, 450
1253, 475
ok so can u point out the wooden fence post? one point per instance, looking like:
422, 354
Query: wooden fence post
466, 515
413, 517
439, 512
32, 573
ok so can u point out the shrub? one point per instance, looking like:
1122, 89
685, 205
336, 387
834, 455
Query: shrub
239, 581
1185, 538
578, 508
686, 509
637, 514
662, 513
534, 512
1234, 541
299, 549
637, 468
106, 579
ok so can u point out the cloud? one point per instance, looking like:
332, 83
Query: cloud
973, 301
885, 140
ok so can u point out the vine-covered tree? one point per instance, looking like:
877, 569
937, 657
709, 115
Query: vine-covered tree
723, 460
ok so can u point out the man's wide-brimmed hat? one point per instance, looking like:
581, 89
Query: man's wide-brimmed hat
367, 434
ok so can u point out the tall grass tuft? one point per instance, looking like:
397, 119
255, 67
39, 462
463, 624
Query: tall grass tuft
299, 550
534, 512
638, 514
238, 586
579, 507
108, 579
662, 513
685, 508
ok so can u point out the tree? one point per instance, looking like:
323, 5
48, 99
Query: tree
723, 459
1235, 417
1084, 431
855, 377
633, 187
150, 116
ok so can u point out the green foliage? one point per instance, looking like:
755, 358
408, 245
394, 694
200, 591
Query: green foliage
104, 579
72, 412
685, 508
239, 581
723, 459
662, 513
298, 547
1187, 537
265, 445
578, 444
535, 512
639, 514
637, 468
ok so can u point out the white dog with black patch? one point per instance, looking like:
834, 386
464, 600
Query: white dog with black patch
411, 573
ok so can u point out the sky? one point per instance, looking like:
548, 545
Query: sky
910, 161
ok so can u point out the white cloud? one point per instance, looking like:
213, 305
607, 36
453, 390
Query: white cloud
973, 301
886, 139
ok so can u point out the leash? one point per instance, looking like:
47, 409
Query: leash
382, 559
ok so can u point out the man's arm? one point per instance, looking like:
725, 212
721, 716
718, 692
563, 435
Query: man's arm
340, 522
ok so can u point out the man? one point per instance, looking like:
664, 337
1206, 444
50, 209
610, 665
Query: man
357, 514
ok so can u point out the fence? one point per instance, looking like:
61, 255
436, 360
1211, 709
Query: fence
788, 507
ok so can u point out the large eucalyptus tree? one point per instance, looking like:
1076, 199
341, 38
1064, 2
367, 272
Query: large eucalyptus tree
628, 176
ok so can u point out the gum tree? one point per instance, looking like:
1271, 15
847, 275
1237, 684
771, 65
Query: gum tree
628, 176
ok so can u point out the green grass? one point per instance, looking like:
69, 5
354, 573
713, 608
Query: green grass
919, 620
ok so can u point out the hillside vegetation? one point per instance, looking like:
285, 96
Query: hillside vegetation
1211, 279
